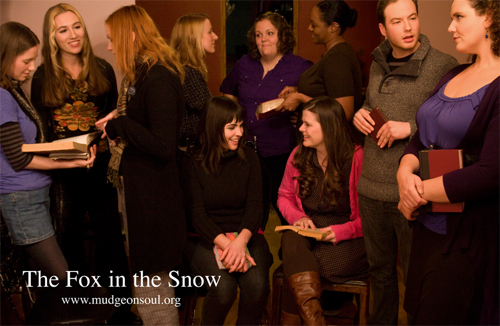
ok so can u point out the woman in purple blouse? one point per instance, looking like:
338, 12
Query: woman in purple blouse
259, 77
453, 271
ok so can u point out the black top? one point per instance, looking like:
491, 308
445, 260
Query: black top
80, 111
153, 195
337, 74
227, 202
197, 94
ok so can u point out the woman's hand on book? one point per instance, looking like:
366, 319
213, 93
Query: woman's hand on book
331, 237
411, 189
234, 256
79, 163
305, 223
287, 90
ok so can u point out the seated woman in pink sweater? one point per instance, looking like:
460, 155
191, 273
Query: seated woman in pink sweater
319, 191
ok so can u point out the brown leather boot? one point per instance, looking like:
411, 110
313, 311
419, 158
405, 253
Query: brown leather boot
288, 319
306, 288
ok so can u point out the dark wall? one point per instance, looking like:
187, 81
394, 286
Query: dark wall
166, 12
364, 36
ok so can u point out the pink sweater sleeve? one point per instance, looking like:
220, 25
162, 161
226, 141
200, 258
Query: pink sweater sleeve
352, 229
289, 202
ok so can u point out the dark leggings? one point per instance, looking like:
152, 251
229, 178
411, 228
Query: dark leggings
253, 285
47, 257
298, 258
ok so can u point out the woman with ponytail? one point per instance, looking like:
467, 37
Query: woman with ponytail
338, 73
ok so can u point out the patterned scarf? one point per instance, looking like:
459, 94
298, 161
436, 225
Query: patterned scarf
126, 91
117, 150
30, 111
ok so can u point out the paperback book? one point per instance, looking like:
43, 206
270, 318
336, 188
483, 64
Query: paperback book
316, 233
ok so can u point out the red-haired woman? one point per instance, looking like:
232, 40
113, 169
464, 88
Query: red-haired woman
143, 164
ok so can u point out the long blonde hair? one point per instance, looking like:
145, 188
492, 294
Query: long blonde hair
187, 40
57, 86
133, 21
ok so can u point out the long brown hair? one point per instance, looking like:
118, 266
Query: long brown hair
15, 39
218, 112
339, 143
134, 34
187, 40
57, 80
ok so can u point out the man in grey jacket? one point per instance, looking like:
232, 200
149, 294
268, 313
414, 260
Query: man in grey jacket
404, 72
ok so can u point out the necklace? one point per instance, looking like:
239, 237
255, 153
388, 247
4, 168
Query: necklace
270, 67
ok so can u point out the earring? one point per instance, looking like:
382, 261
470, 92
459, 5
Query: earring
487, 31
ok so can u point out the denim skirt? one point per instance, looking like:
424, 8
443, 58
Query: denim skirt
27, 216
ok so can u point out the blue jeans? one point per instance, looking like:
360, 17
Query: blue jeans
254, 284
385, 230
27, 216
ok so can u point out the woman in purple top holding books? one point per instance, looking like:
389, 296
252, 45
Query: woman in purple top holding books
224, 196
259, 77
454, 267
24, 186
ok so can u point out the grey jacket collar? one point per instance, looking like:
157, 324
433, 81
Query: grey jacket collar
412, 67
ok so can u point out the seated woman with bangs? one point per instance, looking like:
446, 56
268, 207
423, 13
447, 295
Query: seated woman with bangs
224, 196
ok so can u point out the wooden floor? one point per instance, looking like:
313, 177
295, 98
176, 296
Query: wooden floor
274, 240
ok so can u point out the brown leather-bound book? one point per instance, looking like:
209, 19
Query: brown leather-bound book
379, 119
267, 109
435, 163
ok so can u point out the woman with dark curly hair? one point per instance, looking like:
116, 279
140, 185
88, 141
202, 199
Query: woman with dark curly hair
319, 191
454, 267
338, 73
259, 77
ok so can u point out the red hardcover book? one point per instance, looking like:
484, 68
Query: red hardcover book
379, 119
435, 163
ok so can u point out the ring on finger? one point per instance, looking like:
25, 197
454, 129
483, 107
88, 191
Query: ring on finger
388, 137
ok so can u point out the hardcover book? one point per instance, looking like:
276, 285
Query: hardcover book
267, 109
316, 234
67, 148
379, 119
435, 163
218, 251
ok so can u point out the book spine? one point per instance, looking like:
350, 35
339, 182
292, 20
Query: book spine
423, 157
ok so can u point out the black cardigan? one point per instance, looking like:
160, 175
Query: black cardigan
477, 228
153, 196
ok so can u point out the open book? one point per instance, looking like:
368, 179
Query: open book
316, 234
67, 148
267, 109
218, 251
